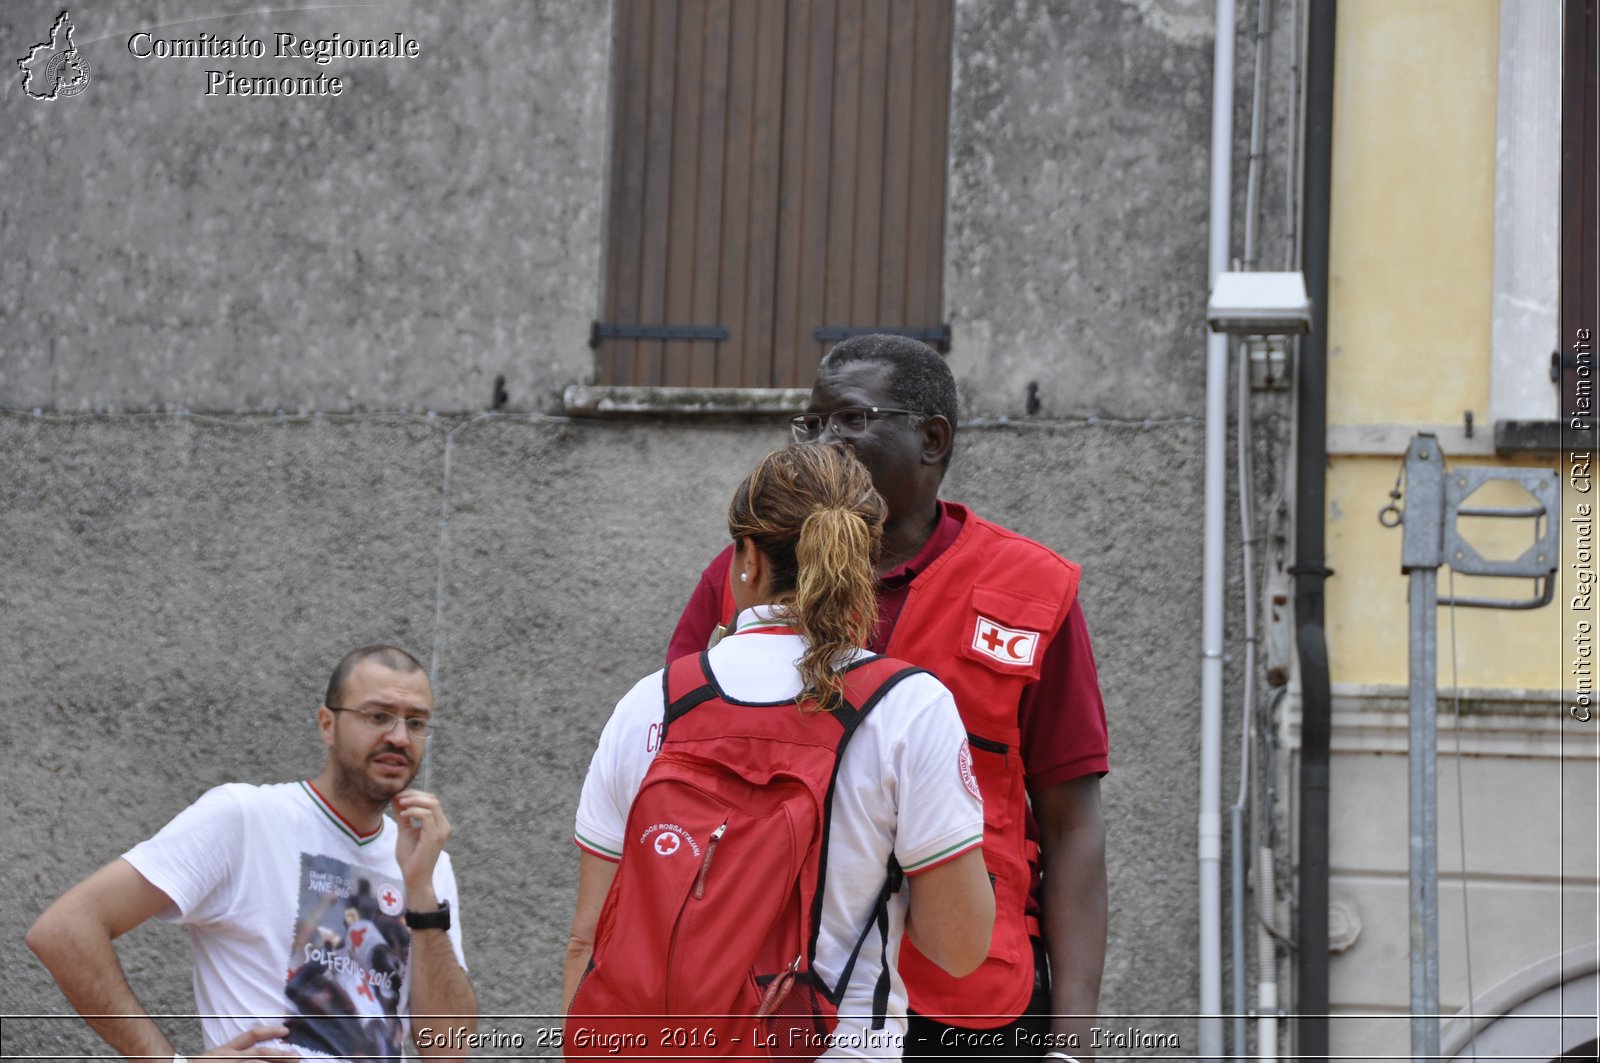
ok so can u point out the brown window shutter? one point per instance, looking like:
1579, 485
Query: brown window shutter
777, 168
1580, 216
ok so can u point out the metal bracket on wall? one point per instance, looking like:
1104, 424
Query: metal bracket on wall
1269, 362
1537, 562
937, 336
602, 330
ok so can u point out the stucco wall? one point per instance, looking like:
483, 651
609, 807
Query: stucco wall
187, 585
398, 246
438, 224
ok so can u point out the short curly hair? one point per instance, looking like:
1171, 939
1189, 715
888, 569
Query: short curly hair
919, 379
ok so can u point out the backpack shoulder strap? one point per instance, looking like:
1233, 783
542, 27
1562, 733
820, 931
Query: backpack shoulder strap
685, 683
866, 683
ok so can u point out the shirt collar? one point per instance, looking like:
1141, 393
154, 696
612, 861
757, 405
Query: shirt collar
944, 533
765, 615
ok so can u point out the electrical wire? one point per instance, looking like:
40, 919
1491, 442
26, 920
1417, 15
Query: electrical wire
441, 564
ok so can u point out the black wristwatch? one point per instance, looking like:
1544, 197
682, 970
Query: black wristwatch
435, 920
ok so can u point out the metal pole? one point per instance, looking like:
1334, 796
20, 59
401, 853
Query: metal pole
1433, 507
1422, 552
1422, 768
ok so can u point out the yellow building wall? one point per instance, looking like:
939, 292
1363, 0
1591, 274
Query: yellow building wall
1411, 265
1411, 293
1367, 614
1410, 288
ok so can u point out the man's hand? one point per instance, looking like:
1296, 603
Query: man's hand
247, 1045
423, 832
439, 987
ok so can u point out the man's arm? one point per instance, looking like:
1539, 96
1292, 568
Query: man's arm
440, 989
1073, 843
594, 882
703, 612
72, 938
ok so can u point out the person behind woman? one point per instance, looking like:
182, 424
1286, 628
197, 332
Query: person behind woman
806, 525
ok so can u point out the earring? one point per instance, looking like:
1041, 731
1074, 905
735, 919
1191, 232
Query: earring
744, 577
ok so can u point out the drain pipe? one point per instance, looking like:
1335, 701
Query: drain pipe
1266, 959
1238, 851
1310, 571
1214, 524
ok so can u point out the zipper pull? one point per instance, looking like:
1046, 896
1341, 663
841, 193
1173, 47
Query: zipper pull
779, 989
705, 865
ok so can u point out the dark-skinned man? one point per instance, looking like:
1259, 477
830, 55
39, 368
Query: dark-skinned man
995, 616
318, 923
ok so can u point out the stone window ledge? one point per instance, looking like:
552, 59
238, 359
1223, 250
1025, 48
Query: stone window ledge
584, 400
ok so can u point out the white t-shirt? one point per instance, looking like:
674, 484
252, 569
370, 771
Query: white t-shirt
293, 916
904, 786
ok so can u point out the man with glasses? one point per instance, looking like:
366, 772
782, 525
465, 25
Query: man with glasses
995, 616
317, 921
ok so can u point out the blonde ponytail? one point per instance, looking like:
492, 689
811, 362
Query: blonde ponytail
834, 602
812, 510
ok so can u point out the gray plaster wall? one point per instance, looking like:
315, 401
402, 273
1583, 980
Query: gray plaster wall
185, 585
400, 245
230, 315
1079, 197
439, 223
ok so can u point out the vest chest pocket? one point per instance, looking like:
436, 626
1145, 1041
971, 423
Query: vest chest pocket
1007, 632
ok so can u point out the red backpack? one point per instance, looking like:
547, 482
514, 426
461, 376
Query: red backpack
705, 942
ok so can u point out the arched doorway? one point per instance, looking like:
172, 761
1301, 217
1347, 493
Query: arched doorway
1551, 1009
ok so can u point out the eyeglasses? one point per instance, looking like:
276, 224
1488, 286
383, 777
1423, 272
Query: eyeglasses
383, 722
844, 423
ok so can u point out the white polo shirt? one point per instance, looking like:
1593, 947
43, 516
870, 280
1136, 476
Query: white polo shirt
904, 787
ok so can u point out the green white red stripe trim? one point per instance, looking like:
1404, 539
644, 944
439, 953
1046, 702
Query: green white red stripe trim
342, 825
944, 856
589, 845
761, 625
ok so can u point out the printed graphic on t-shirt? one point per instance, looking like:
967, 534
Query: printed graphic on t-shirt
350, 957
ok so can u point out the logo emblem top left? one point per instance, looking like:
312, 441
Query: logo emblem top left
55, 68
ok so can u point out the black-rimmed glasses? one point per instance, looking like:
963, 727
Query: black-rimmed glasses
845, 422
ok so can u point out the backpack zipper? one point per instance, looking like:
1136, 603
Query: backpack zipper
705, 865
779, 989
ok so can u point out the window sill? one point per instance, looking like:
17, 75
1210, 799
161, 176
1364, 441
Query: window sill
583, 400
1507, 437
1516, 436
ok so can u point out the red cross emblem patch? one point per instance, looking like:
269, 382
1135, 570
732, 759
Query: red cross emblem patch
390, 900
1004, 644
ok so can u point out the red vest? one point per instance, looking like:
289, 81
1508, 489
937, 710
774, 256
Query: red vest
979, 617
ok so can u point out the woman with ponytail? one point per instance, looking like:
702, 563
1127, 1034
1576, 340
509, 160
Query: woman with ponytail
806, 525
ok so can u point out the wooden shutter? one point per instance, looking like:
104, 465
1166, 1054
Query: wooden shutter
1580, 216
777, 168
